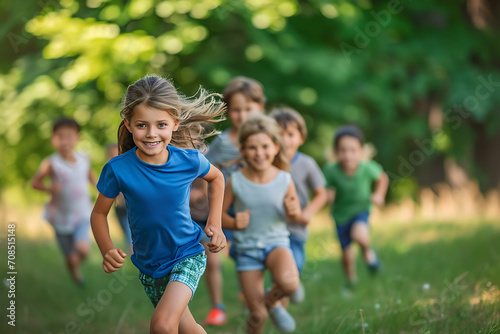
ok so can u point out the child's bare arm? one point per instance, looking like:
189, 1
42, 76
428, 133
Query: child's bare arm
330, 195
380, 189
316, 203
45, 170
113, 258
292, 204
215, 197
241, 220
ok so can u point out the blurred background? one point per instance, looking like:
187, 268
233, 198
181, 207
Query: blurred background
421, 78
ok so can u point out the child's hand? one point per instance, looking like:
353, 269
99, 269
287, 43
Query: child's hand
242, 220
377, 199
306, 217
292, 206
218, 241
113, 260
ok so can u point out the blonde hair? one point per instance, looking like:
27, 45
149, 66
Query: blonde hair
193, 114
286, 116
250, 88
265, 124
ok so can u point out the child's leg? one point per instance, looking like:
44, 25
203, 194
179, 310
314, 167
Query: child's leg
172, 315
283, 268
213, 276
361, 234
348, 263
252, 284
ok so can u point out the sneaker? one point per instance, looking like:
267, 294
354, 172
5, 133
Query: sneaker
216, 317
299, 295
374, 267
283, 321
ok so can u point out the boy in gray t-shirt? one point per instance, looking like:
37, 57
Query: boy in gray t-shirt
307, 177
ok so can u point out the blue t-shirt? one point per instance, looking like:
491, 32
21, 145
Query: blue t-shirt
157, 200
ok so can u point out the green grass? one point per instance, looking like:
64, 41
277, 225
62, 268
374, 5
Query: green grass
459, 261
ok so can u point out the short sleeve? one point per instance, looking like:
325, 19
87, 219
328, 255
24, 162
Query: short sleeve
108, 185
213, 149
315, 178
374, 169
204, 165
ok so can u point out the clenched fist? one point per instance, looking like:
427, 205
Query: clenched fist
242, 219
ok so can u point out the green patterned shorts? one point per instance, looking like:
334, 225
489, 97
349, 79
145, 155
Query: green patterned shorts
188, 271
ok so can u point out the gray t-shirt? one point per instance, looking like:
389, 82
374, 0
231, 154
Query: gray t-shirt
267, 225
307, 177
223, 154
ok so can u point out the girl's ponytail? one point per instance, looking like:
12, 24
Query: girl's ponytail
125, 139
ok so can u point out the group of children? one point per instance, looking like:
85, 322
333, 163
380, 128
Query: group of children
252, 190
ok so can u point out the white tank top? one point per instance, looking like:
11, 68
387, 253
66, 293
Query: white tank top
72, 205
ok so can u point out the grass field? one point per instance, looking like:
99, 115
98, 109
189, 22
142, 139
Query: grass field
436, 278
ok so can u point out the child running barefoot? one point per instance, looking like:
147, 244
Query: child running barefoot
154, 172
308, 178
352, 181
70, 204
264, 198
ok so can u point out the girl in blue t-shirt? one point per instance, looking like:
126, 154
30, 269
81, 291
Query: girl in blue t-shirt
264, 198
154, 172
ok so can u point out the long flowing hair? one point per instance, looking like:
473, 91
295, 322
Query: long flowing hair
194, 115
265, 124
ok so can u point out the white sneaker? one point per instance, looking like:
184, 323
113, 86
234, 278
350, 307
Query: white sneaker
283, 321
299, 295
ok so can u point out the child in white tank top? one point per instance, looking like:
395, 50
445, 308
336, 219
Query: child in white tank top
264, 198
70, 205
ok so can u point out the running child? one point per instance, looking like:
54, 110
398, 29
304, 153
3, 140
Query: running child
264, 198
352, 181
154, 171
307, 177
70, 205
244, 97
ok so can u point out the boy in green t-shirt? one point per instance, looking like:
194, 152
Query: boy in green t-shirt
352, 181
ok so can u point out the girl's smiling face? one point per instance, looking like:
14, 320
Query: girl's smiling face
259, 151
152, 131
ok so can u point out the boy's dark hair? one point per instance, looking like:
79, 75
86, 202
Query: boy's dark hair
251, 88
65, 122
348, 130
286, 116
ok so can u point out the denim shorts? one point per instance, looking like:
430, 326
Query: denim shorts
298, 250
67, 242
187, 271
344, 230
255, 259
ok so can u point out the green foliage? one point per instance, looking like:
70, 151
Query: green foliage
381, 64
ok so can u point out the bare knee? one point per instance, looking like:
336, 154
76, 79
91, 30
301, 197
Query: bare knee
82, 249
163, 326
347, 254
258, 315
288, 283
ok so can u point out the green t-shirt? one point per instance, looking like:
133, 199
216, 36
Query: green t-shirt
352, 193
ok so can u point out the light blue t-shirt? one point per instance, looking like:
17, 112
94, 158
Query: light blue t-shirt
267, 225
157, 200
